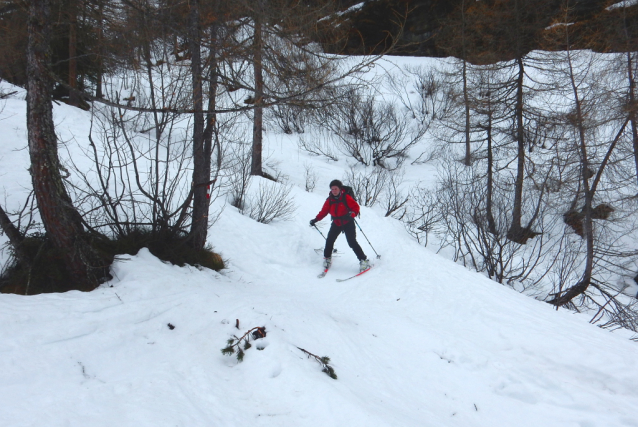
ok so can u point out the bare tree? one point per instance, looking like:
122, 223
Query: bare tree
585, 128
239, 170
61, 220
258, 100
203, 127
596, 122
464, 226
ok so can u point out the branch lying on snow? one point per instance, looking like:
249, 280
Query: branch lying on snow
235, 347
324, 363
234, 344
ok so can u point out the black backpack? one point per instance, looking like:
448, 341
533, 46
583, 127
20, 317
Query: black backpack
350, 192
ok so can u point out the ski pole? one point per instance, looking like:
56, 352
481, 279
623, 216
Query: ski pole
334, 251
364, 235
316, 228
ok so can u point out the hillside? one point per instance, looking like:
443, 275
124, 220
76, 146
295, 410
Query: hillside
417, 341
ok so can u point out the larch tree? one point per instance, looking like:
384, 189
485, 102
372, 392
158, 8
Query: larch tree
61, 220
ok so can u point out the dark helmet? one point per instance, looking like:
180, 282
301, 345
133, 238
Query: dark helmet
336, 182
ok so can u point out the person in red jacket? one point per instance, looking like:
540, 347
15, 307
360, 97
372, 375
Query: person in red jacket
343, 209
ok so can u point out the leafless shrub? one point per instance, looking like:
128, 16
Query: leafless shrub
425, 98
290, 119
393, 199
421, 214
239, 173
136, 180
479, 236
143, 162
371, 131
368, 184
271, 201
604, 299
311, 178
25, 216
318, 146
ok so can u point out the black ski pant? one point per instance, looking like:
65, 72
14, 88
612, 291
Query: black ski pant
351, 236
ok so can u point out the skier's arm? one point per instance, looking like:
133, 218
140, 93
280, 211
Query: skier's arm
353, 206
324, 211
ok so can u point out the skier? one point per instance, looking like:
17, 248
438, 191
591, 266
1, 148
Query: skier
343, 210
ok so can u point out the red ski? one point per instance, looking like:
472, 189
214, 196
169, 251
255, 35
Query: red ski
356, 275
323, 273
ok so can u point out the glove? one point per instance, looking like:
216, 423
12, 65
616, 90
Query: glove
313, 222
352, 214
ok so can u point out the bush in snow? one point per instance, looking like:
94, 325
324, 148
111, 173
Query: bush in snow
371, 131
269, 202
367, 183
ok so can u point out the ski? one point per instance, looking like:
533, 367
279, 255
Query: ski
356, 275
323, 273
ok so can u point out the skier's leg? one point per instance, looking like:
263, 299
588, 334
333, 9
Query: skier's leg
333, 233
351, 236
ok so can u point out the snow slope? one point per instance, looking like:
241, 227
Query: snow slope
417, 341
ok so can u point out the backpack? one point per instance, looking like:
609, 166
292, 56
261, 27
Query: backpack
350, 192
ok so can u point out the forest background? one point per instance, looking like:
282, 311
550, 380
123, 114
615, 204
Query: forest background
531, 122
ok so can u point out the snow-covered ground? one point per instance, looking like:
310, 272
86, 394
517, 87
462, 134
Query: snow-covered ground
417, 341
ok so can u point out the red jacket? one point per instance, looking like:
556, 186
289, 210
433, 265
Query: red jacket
336, 207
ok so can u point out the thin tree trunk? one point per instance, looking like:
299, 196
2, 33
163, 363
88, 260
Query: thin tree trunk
211, 117
466, 97
632, 108
466, 102
256, 164
515, 233
74, 98
201, 164
61, 220
588, 223
588, 220
100, 60
491, 224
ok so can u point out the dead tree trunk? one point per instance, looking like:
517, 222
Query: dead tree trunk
61, 220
